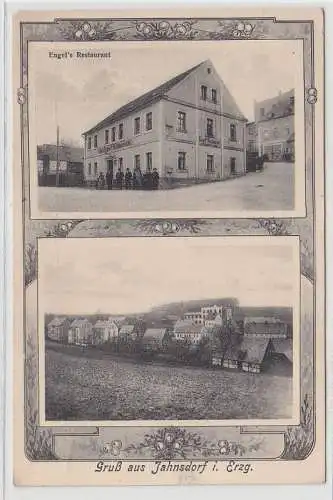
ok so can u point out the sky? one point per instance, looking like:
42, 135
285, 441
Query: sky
132, 275
77, 93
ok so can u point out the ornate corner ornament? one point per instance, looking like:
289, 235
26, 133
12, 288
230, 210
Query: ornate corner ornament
21, 95
170, 227
312, 96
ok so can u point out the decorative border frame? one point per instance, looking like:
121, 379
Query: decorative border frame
174, 442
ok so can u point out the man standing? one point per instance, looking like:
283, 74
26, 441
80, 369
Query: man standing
155, 179
119, 178
109, 179
128, 179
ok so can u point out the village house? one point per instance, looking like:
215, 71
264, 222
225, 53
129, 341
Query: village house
188, 331
104, 331
57, 329
265, 327
154, 338
188, 128
283, 349
275, 127
127, 332
62, 165
256, 353
80, 332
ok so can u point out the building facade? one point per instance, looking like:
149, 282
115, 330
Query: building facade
80, 332
187, 128
57, 329
104, 331
251, 137
265, 327
275, 127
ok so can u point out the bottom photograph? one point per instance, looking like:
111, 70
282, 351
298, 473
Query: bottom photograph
169, 329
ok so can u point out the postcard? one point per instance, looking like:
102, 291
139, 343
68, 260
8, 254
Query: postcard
169, 291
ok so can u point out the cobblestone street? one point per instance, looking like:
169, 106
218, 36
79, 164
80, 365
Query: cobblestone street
272, 189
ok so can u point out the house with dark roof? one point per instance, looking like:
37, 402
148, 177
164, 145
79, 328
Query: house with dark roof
154, 337
189, 128
62, 165
57, 329
275, 129
255, 353
265, 327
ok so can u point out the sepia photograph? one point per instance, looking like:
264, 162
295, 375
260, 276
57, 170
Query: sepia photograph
206, 334
210, 131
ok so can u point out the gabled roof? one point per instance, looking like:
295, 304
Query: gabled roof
144, 100
126, 329
104, 323
187, 327
277, 106
157, 333
79, 322
254, 349
284, 346
57, 322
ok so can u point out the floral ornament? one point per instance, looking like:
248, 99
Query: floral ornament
62, 229
299, 440
174, 442
273, 227
169, 443
312, 96
170, 227
85, 32
243, 30
112, 448
165, 30
21, 95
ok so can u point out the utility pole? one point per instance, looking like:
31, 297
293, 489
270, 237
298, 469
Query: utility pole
57, 166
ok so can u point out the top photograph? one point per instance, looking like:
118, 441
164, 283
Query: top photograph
181, 129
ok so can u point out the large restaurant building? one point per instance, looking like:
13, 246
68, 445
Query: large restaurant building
187, 128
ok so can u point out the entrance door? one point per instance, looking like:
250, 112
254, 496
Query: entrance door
110, 167
232, 166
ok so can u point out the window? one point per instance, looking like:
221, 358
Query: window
232, 132
262, 112
89, 142
95, 141
181, 160
149, 121
137, 126
137, 161
232, 165
121, 164
89, 168
106, 137
214, 95
95, 168
181, 121
113, 134
275, 133
121, 131
291, 100
210, 163
210, 127
149, 161
204, 92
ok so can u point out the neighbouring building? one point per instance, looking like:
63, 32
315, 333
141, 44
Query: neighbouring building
127, 332
256, 354
62, 168
265, 327
57, 329
154, 337
283, 348
189, 128
104, 331
188, 331
210, 315
80, 332
275, 127
251, 137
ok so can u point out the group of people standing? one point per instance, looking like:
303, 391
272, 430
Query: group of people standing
136, 180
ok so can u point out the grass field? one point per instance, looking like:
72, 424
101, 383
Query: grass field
97, 386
